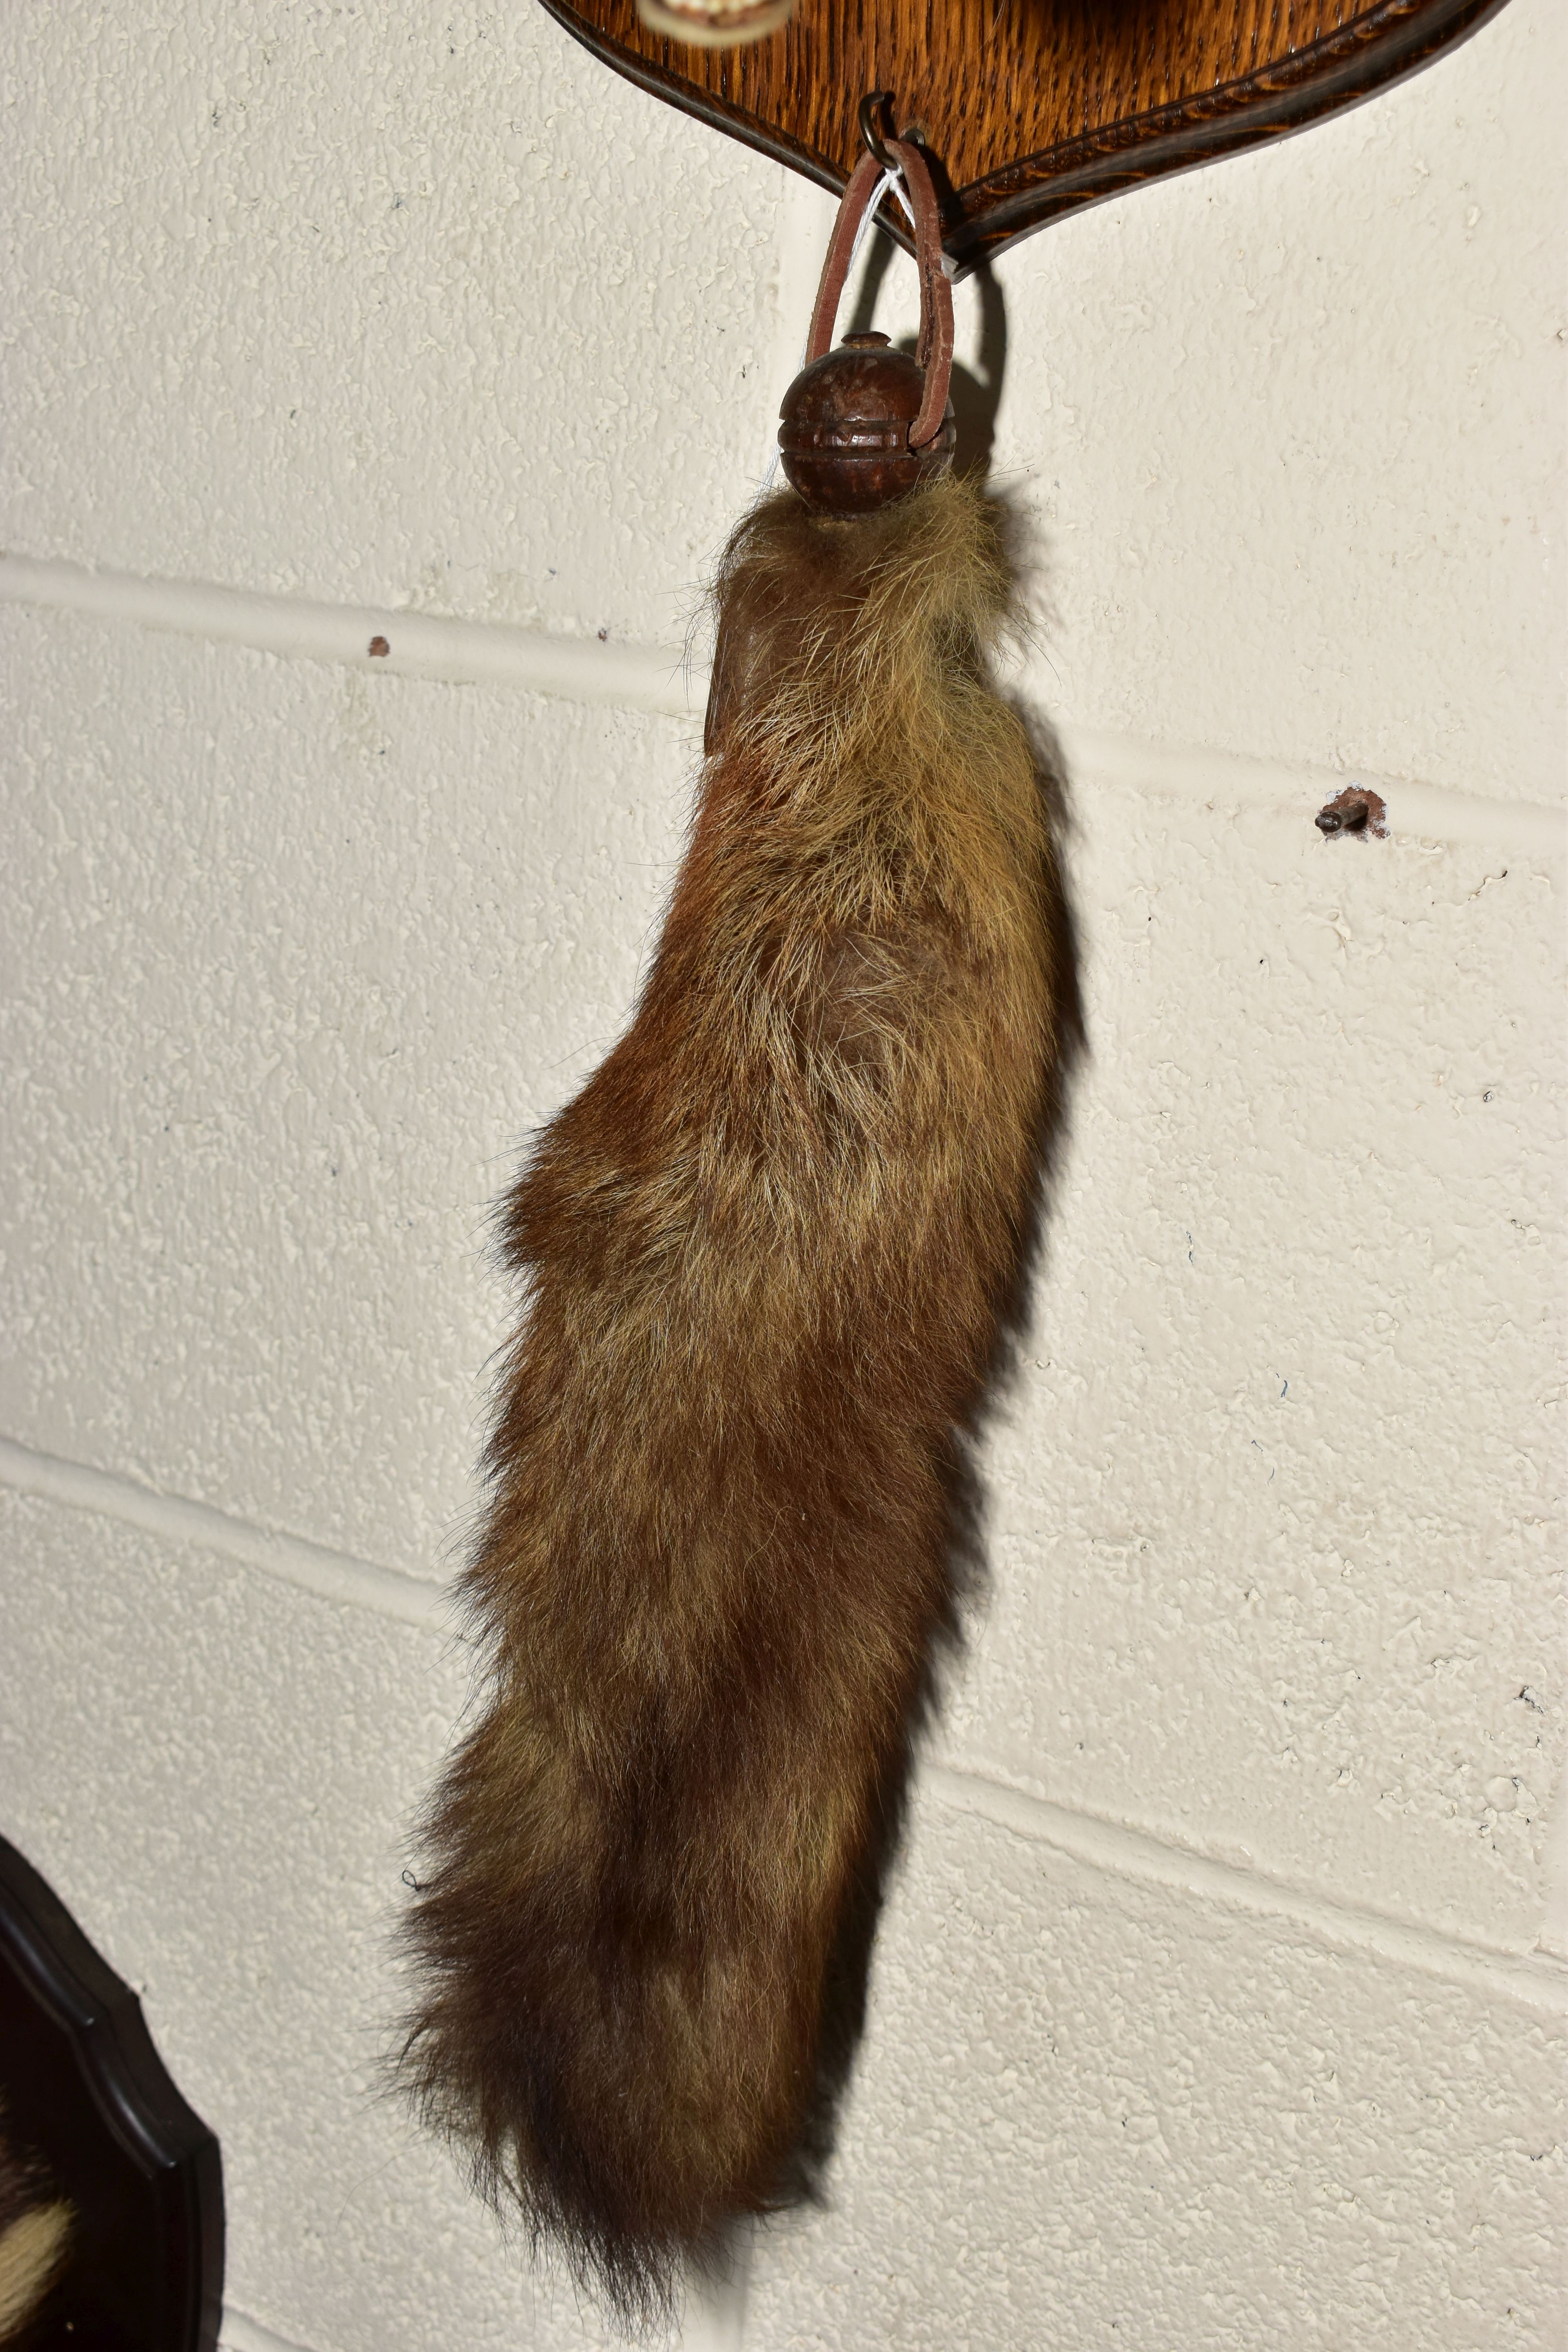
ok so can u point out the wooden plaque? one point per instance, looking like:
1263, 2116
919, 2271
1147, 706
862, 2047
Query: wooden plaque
82, 2088
1031, 107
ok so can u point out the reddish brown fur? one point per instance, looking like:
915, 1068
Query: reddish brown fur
768, 1246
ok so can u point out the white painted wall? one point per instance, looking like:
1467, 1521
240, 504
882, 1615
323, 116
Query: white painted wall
1220, 2000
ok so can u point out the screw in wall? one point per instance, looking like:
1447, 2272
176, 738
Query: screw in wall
1353, 811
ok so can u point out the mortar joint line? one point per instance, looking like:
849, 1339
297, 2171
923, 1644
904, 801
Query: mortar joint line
660, 681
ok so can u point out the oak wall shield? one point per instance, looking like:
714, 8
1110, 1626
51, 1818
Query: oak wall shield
1030, 109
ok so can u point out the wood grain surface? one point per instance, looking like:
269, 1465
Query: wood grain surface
1032, 108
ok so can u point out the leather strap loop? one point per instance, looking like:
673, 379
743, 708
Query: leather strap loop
863, 179
934, 349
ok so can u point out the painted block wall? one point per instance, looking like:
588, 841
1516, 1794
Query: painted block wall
1220, 1998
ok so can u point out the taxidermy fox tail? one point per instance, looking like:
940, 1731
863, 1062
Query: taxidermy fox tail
770, 1249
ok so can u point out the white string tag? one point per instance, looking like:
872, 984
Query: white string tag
891, 178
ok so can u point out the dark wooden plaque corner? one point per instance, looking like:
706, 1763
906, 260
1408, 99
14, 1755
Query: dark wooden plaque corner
85, 2091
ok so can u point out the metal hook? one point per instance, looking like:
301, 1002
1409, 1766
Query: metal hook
870, 106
